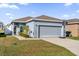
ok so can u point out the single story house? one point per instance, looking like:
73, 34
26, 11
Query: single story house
40, 26
73, 26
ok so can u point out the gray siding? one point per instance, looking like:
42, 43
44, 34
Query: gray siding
48, 23
31, 27
43, 23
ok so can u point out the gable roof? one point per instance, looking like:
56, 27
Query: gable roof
42, 18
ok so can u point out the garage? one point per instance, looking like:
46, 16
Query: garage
50, 31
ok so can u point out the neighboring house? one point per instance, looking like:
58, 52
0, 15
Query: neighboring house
41, 26
8, 29
73, 27
1, 27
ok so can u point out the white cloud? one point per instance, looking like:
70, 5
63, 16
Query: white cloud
39, 1
24, 3
8, 14
68, 4
12, 6
14, 1
65, 16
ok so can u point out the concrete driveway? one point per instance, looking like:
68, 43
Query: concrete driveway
72, 45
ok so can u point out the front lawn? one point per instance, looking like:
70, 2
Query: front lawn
10, 46
74, 38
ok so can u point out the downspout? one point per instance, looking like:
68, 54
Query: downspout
63, 32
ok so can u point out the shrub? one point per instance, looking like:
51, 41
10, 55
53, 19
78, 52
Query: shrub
24, 31
68, 34
2, 35
24, 35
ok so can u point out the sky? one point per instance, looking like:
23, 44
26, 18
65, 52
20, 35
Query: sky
12, 11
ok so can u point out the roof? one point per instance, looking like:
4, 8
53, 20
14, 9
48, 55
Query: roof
73, 21
24, 19
46, 17
42, 18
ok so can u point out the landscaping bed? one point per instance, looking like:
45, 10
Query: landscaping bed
24, 35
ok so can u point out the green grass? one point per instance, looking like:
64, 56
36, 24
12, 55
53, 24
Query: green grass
74, 38
10, 46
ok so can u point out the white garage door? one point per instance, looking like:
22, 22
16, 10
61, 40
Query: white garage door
50, 31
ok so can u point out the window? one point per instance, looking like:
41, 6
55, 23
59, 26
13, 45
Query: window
30, 31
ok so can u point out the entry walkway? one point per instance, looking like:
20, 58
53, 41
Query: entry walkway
19, 37
72, 45
23, 38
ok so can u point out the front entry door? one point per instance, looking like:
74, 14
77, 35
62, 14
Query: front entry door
16, 30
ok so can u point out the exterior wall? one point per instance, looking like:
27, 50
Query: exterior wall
1, 26
30, 24
31, 28
12, 28
74, 28
36, 28
18, 25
